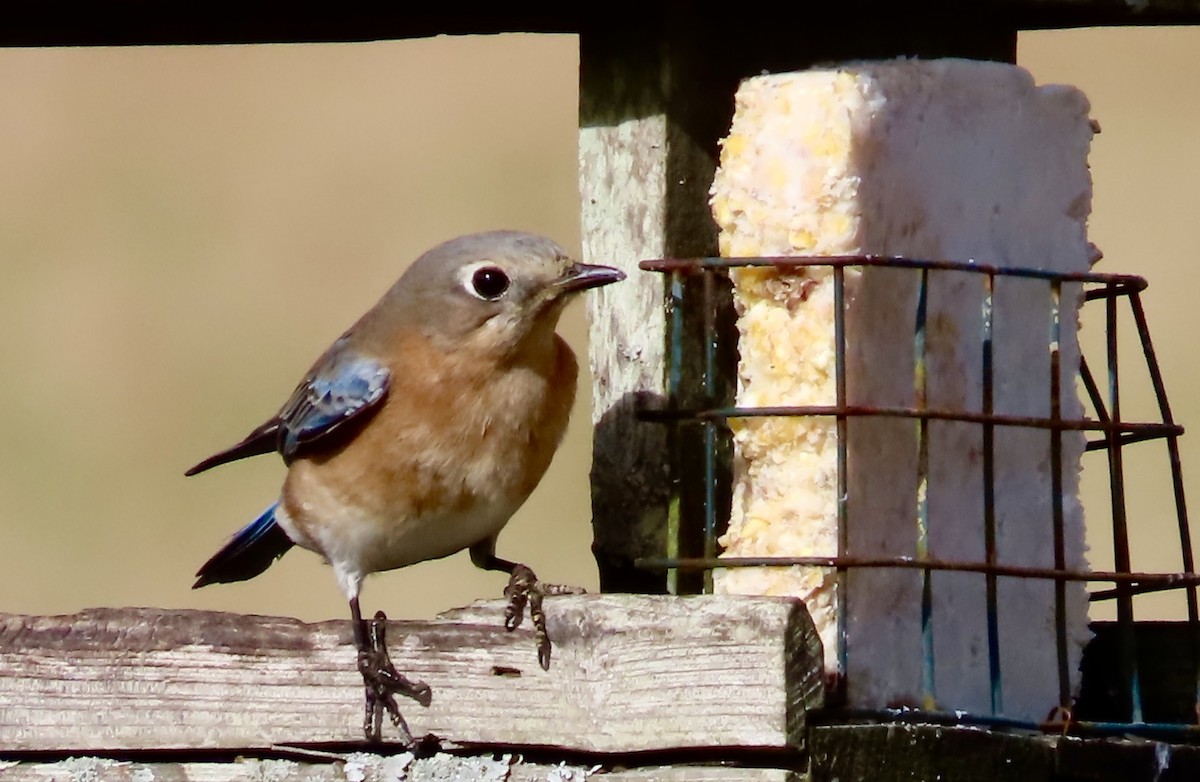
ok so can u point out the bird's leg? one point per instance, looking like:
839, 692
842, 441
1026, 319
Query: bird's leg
381, 680
523, 589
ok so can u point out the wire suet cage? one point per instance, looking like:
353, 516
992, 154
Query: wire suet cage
699, 409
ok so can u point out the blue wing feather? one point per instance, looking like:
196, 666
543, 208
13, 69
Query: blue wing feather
336, 392
340, 387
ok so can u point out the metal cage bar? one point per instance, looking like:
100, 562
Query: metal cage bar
710, 428
995, 688
843, 516
1056, 478
921, 390
1121, 556
1181, 513
675, 308
1124, 431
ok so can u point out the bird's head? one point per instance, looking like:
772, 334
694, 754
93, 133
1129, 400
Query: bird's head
493, 290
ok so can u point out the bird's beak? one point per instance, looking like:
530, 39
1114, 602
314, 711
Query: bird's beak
581, 276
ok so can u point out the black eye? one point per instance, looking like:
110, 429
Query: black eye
489, 283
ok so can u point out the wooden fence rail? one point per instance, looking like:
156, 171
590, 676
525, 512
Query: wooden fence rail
631, 675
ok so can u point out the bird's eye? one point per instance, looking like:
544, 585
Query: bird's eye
489, 283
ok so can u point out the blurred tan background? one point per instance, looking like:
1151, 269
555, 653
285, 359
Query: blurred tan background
183, 230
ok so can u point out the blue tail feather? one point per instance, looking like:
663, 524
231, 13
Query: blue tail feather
248, 553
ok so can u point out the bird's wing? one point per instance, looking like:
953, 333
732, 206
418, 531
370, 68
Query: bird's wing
343, 386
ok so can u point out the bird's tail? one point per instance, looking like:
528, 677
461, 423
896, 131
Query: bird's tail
248, 553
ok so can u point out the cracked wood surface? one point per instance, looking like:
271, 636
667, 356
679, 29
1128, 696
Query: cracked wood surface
361, 767
629, 674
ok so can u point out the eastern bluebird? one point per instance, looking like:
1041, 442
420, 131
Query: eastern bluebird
420, 431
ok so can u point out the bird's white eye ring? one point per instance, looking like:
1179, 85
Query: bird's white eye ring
488, 283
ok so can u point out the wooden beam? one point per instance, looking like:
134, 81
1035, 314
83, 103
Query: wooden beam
130, 22
646, 158
928, 752
1054, 14
506, 768
629, 674
943, 752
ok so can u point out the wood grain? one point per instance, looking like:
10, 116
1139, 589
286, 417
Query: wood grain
629, 674
647, 147
362, 767
883, 753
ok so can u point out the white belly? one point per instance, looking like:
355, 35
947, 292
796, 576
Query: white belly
356, 544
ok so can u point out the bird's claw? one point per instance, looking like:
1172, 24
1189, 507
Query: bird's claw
524, 589
383, 683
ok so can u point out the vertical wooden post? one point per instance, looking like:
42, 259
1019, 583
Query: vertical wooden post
650, 117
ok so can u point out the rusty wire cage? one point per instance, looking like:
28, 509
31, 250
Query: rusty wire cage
699, 407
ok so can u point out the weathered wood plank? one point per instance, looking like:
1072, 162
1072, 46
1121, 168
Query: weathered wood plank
652, 103
1167, 671
372, 768
700, 774
628, 146
905, 752
882, 753
874, 752
1126, 760
629, 674
110, 22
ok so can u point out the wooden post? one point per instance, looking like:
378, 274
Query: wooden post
647, 155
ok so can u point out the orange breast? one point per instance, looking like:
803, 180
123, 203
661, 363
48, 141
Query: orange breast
457, 446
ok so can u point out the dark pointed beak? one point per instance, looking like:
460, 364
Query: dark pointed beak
581, 276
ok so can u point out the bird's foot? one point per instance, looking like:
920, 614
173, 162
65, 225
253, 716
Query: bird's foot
383, 683
523, 589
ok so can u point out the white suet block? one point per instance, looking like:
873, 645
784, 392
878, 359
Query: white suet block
940, 159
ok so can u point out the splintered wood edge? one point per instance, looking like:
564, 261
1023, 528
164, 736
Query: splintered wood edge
359, 767
628, 674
